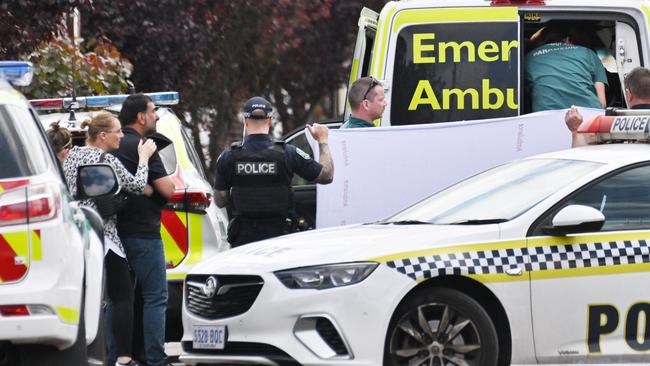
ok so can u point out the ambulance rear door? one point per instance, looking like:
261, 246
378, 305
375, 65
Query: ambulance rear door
363, 49
448, 64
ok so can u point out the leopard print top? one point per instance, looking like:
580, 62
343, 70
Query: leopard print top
133, 184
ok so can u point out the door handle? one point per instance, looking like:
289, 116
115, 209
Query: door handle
514, 271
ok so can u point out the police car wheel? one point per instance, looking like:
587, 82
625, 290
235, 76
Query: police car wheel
8, 354
439, 327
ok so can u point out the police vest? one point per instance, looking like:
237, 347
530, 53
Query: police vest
261, 186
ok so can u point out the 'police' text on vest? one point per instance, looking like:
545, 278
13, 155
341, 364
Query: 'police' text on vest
256, 168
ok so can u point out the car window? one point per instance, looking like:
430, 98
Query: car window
168, 157
624, 199
191, 153
442, 75
299, 140
17, 160
501, 193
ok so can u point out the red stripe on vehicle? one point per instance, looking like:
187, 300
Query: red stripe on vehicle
13, 184
9, 270
176, 229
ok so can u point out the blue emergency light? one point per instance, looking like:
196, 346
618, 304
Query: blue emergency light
101, 101
18, 73
164, 98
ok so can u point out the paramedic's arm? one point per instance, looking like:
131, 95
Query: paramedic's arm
600, 91
321, 134
221, 198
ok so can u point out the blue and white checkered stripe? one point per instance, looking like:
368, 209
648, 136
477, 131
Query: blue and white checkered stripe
539, 258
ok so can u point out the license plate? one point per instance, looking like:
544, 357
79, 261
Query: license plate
209, 337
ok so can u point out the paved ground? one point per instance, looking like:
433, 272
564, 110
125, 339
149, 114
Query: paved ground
173, 350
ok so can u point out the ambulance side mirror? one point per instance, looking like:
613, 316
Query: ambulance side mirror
574, 219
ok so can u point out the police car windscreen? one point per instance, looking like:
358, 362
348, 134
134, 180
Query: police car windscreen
501, 193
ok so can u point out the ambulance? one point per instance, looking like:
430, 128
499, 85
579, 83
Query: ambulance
192, 226
542, 260
460, 60
51, 248
455, 60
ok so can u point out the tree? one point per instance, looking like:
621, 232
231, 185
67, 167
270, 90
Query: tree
219, 53
61, 67
25, 24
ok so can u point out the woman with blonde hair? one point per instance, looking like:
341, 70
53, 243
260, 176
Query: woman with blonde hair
103, 136
61, 140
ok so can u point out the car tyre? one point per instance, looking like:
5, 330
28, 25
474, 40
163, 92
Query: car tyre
441, 326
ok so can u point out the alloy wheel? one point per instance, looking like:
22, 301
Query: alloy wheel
435, 334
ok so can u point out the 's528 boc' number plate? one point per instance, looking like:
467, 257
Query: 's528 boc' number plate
209, 337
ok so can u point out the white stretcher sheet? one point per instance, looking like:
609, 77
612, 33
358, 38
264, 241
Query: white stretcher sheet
380, 171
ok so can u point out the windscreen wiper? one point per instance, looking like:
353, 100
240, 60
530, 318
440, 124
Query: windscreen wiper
404, 222
478, 221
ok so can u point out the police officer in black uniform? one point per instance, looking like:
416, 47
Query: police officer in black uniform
254, 176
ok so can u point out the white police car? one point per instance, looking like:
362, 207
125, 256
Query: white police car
192, 226
51, 254
541, 260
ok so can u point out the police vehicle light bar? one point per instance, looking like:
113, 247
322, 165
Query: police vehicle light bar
618, 128
517, 2
18, 73
101, 101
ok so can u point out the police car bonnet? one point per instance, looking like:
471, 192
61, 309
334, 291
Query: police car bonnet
257, 104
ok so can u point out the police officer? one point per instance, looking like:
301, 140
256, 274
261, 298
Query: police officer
254, 176
637, 96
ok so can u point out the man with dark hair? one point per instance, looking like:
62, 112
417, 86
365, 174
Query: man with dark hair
367, 102
254, 176
138, 224
637, 95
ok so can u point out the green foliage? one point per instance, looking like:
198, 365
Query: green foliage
217, 54
60, 67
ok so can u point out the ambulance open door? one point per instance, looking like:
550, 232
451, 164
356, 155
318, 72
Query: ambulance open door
362, 50
627, 50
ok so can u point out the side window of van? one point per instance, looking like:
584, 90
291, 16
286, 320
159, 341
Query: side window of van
454, 72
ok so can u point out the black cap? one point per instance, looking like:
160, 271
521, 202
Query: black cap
257, 108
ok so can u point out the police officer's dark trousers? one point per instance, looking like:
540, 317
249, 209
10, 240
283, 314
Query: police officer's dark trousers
244, 230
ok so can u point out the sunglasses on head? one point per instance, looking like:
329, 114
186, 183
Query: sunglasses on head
373, 83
